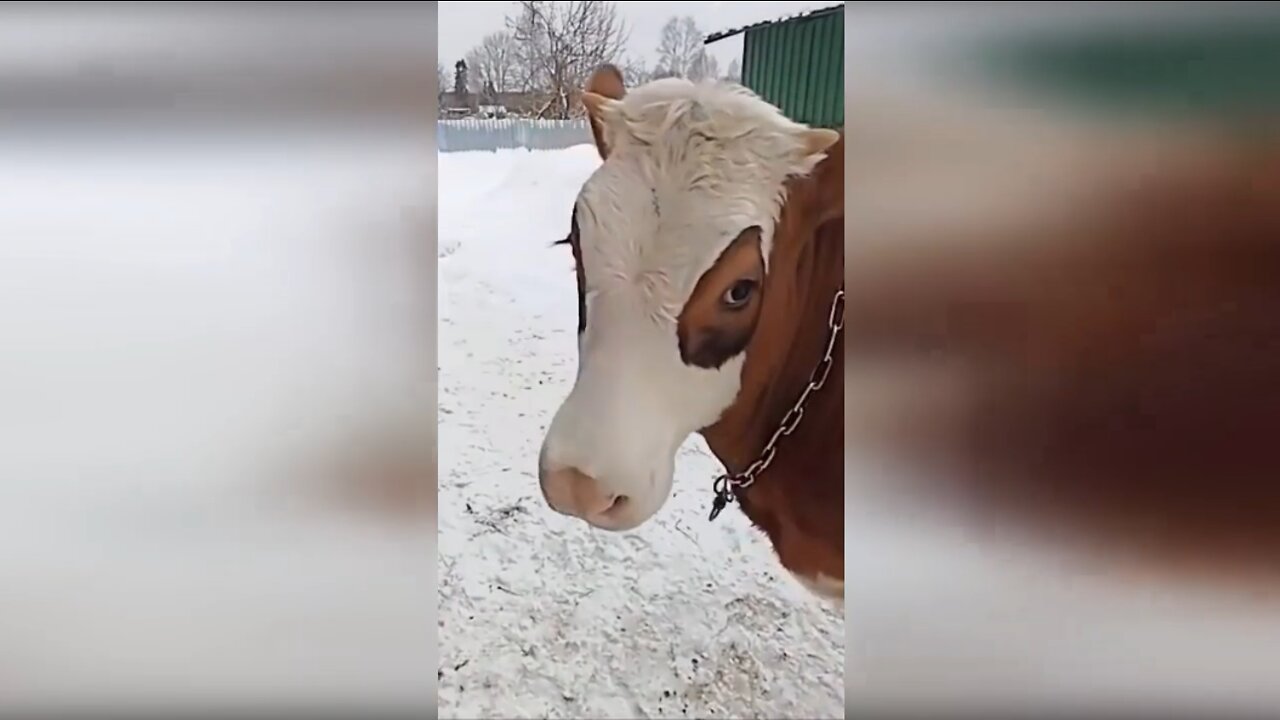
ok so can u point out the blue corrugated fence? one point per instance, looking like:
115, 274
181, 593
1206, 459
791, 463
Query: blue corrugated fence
488, 134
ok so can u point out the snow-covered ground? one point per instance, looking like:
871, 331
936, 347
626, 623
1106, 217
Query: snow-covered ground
541, 616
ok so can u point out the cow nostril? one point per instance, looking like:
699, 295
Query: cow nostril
619, 502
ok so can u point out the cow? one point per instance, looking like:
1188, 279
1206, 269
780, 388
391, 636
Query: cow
709, 253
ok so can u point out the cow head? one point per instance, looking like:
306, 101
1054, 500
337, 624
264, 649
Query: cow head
671, 237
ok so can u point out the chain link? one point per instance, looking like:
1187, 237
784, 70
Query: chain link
727, 483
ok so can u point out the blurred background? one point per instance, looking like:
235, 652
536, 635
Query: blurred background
1063, 378
217, 399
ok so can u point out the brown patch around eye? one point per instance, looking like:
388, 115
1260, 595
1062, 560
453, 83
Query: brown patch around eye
718, 320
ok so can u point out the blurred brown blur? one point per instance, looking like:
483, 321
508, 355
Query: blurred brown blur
1070, 317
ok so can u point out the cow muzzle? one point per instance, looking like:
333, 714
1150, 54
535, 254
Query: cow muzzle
572, 492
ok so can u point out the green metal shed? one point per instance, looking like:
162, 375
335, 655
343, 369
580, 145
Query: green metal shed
797, 63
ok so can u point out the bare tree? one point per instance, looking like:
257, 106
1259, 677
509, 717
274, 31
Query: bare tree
735, 71
680, 47
635, 71
530, 46
560, 43
704, 66
442, 79
492, 63
460, 72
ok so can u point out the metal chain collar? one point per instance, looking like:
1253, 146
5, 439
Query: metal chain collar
727, 483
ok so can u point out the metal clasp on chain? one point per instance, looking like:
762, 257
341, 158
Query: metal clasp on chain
725, 484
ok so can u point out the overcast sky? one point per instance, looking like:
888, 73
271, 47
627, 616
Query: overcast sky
462, 25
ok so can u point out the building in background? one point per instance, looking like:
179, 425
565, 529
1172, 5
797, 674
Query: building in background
796, 63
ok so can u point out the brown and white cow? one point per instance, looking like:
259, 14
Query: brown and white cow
710, 259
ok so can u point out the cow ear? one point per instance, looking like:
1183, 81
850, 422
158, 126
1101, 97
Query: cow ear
818, 140
828, 174
603, 88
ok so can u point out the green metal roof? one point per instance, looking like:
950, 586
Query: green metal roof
788, 18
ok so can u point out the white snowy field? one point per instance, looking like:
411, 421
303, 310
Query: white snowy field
206, 337
541, 616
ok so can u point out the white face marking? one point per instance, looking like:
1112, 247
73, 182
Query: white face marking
651, 220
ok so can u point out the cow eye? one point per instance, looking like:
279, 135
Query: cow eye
738, 295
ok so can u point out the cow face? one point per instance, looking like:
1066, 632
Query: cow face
671, 237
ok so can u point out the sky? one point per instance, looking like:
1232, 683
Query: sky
462, 25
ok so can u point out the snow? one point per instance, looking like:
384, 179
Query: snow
541, 616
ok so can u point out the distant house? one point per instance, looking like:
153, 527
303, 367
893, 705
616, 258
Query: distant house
455, 104
520, 103
502, 104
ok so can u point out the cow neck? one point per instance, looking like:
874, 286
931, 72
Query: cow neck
790, 340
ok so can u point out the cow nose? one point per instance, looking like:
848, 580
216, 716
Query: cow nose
570, 491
